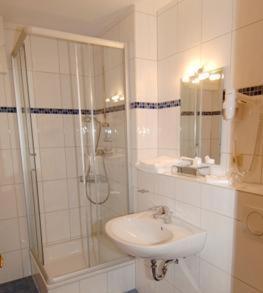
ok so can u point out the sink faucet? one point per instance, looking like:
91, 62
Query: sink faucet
162, 212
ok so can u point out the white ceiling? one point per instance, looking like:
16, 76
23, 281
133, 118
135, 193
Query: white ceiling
78, 16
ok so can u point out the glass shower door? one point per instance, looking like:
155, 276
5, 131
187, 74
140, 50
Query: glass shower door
28, 153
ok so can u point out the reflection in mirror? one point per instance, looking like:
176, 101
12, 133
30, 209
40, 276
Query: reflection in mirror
201, 114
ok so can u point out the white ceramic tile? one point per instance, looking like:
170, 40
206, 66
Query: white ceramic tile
26, 263
53, 165
216, 53
97, 283
188, 213
70, 288
75, 230
245, 13
57, 226
121, 280
167, 32
4, 132
20, 199
214, 280
55, 195
64, 56
167, 119
165, 185
50, 130
8, 207
217, 18
189, 23
146, 80
172, 69
185, 275
47, 90
73, 162
219, 200
127, 27
6, 167
247, 61
220, 239
14, 135
17, 166
188, 192
44, 54
144, 131
10, 230
146, 180
23, 232
145, 36
13, 267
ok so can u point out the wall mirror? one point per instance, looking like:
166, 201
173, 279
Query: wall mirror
202, 97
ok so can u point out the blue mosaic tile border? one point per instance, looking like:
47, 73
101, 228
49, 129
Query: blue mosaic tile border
133, 105
203, 113
160, 105
252, 91
7, 109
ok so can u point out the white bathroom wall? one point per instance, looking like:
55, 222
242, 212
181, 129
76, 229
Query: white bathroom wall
231, 261
191, 34
13, 226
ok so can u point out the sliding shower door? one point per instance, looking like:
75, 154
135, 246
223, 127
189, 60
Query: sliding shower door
28, 154
103, 143
72, 124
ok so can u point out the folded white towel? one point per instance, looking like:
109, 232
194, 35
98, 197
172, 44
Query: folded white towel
160, 164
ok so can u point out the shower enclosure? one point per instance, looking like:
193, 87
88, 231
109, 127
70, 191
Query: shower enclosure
71, 108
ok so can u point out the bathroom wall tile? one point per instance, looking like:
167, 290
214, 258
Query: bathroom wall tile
55, 195
69, 288
20, 199
167, 119
216, 53
167, 32
144, 131
26, 263
127, 27
74, 191
188, 213
167, 201
4, 132
248, 61
171, 70
213, 14
23, 232
146, 180
75, 230
10, 241
47, 90
6, 167
180, 274
13, 128
53, 163
13, 267
245, 13
44, 54
98, 281
145, 36
73, 162
146, 80
189, 23
57, 226
188, 192
165, 185
220, 238
17, 166
50, 130
64, 57
213, 279
219, 200
8, 207
122, 279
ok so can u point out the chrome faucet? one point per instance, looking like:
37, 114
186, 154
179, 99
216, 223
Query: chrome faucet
162, 212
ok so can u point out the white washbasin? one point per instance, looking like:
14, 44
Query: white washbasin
141, 235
